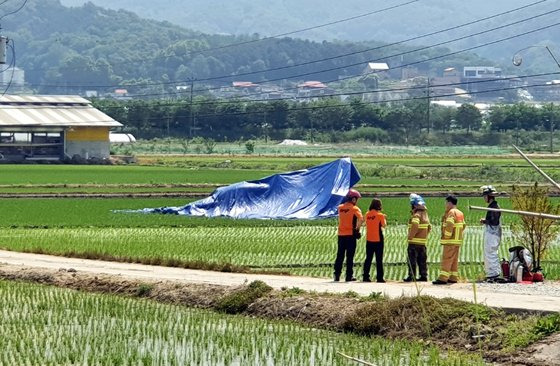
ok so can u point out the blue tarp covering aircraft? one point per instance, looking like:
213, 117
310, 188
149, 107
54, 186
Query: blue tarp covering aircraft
304, 194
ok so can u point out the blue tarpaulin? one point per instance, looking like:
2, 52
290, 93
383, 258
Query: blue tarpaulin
304, 194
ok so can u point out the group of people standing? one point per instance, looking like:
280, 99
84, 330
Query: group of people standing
419, 227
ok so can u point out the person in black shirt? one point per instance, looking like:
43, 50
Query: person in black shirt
492, 235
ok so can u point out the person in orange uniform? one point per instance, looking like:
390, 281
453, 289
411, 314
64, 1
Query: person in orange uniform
453, 226
350, 220
418, 229
375, 222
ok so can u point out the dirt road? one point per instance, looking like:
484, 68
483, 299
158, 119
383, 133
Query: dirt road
511, 301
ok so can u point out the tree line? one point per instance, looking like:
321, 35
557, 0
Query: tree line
323, 119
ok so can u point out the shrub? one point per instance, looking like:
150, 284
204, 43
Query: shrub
548, 325
250, 147
144, 290
238, 301
371, 134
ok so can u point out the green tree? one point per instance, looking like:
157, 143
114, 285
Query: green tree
468, 117
535, 233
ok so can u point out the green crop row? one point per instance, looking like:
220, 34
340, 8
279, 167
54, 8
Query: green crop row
181, 146
82, 212
225, 171
308, 250
50, 326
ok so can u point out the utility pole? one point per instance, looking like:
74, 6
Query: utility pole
551, 128
265, 127
428, 99
192, 108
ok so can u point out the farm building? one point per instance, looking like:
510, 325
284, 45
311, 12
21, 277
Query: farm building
52, 128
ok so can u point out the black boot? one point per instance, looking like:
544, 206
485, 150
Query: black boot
408, 279
439, 282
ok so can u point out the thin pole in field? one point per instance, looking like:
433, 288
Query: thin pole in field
537, 168
516, 212
356, 359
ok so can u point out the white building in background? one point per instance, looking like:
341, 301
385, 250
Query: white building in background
18, 78
477, 72
121, 138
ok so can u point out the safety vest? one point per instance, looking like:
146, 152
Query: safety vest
418, 230
375, 221
452, 227
346, 213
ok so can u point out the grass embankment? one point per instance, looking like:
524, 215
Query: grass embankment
400, 331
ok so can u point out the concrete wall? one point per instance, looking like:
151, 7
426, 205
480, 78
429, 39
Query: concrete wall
88, 142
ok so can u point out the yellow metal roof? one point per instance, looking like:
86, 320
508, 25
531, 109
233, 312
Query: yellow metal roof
55, 111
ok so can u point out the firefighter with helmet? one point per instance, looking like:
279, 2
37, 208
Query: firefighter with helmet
350, 220
418, 229
452, 229
492, 235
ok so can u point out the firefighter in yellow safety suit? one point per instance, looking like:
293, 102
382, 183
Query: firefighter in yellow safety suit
452, 229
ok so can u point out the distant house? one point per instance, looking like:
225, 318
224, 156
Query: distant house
447, 84
121, 94
371, 74
375, 67
244, 84
245, 87
487, 82
52, 128
477, 72
313, 88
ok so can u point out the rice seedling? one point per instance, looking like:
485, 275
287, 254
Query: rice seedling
52, 326
306, 250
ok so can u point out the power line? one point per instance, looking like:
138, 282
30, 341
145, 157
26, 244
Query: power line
318, 60
236, 44
15, 11
311, 28
373, 91
388, 101
399, 100
404, 65
392, 100
431, 46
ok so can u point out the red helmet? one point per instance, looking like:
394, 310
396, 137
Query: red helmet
352, 193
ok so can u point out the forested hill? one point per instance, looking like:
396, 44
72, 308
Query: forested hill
89, 45
423, 16
273, 17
